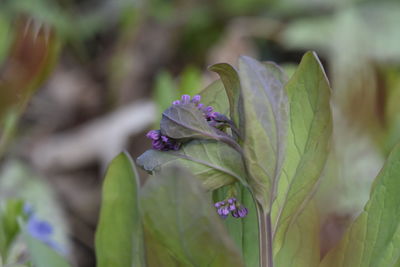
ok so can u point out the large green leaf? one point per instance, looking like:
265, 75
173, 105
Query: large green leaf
373, 239
179, 215
42, 255
230, 79
301, 247
307, 145
265, 114
119, 233
214, 163
156, 253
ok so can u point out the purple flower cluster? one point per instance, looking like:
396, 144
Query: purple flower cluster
209, 113
165, 143
231, 206
162, 142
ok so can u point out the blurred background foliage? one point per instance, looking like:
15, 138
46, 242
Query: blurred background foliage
81, 80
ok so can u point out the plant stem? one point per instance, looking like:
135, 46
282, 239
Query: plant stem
269, 240
265, 238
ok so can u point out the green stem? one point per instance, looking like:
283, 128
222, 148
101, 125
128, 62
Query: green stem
265, 238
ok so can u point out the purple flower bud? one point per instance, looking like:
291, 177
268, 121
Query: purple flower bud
219, 204
232, 200
176, 146
185, 99
232, 207
176, 102
200, 106
208, 110
196, 99
242, 212
153, 134
235, 214
162, 142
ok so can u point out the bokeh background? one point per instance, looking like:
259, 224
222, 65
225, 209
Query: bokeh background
82, 80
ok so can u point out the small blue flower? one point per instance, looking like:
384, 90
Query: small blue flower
39, 229
43, 231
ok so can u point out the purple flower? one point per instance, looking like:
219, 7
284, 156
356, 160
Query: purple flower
162, 142
231, 206
240, 212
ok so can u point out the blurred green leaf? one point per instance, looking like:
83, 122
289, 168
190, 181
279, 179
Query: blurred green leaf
190, 81
265, 113
119, 234
42, 255
10, 121
307, 145
215, 164
165, 91
179, 215
377, 228
392, 108
6, 36
9, 221
156, 253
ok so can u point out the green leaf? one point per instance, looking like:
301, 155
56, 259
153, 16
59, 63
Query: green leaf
265, 114
179, 215
373, 239
42, 255
156, 253
244, 231
302, 241
9, 219
230, 79
214, 163
119, 234
9, 226
307, 145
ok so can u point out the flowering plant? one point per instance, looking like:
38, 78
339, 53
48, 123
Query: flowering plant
252, 145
